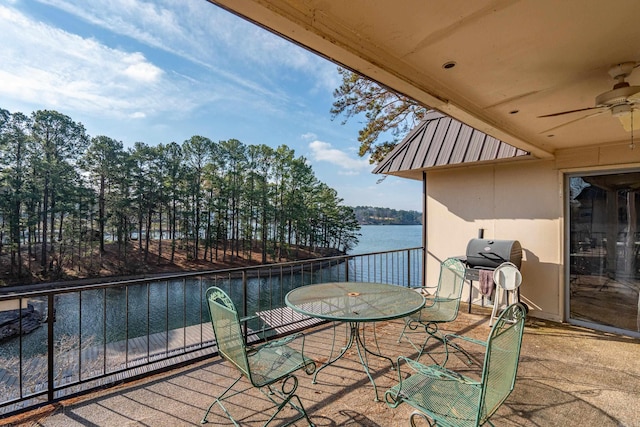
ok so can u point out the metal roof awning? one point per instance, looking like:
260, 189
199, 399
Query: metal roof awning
439, 141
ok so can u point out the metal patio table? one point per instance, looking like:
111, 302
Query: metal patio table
355, 303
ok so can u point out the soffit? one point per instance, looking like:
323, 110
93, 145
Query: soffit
532, 56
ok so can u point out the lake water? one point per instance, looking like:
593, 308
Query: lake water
376, 238
103, 314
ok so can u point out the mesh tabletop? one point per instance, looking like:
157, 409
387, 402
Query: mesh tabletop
355, 301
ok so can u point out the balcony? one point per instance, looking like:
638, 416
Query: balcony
101, 334
567, 376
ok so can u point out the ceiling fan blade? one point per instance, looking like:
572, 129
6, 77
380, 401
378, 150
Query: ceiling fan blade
569, 112
603, 109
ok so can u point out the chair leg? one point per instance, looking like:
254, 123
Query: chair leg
418, 414
303, 411
406, 324
431, 331
413, 326
219, 400
449, 343
287, 393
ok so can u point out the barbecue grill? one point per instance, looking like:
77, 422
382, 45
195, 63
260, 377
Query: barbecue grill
488, 254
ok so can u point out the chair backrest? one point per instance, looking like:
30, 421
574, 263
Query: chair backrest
449, 290
501, 360
451, 279
227, 330
507, 276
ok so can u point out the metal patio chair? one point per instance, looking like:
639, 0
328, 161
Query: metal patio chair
449, 398
441, 307
263, 365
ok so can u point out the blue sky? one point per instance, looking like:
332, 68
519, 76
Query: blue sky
165, 70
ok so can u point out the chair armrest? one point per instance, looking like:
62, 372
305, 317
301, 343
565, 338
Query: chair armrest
421, 378
307, 362
424, 290
247, 318
445, 299
285, 341
449, 337
431, 301
436, 371
282, 341
259, 333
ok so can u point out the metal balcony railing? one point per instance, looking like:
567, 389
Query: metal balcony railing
97, 335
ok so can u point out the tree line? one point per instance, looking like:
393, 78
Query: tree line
63, 194
368, 215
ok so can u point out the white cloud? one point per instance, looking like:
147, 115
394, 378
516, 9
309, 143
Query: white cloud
138, 115
309, 136
140, 20
136, 61
204, 33
196, 31
177, 27
141, 70
45, 67
324, 152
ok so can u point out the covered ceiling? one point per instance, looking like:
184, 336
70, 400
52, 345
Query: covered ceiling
515, 60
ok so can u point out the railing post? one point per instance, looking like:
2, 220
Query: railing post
423, 255
51, 317
408, 268
245, 305
346, 270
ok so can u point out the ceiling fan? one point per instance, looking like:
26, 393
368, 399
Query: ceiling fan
623, 100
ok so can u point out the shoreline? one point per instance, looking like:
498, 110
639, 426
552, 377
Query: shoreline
109, 266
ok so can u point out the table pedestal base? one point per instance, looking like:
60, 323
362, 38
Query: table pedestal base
356, 336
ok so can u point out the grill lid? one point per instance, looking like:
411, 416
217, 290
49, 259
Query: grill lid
491, 253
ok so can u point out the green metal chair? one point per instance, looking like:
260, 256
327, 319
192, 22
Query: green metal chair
263, 365
449, 398
441, 307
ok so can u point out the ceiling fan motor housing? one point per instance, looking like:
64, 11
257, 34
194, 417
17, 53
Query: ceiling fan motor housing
620, 95
622, 92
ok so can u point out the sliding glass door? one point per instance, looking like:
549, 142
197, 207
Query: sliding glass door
604, 250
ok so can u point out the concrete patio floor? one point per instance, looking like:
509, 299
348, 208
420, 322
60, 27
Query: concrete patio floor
568, 376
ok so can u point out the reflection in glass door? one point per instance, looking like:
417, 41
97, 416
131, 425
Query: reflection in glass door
604, 245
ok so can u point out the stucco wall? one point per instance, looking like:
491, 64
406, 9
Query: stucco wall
516, 201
